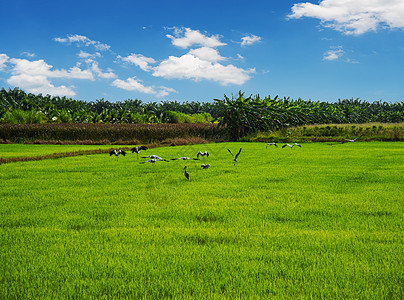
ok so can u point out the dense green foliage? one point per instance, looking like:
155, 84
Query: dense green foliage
243, 115
91, 227
239, 115
16, 106
179, 117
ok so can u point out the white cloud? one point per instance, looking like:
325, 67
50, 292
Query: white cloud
353, 17
139, 60
33, 76
39, 84
352, 61
207, 54
133, 84
249, 40
3, 59
107, 75
201, 63
28, 54
86, 55
333, 54
186, 37
189, 66
165, 91
40, 67
81, 40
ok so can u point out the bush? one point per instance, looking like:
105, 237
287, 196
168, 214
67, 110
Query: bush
179, 117
19, 116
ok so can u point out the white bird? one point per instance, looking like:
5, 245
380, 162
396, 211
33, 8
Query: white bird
291, 146
205, 166
153, 161
349, 140
235, 157
153, 157
117, 152
202, 154
137, 150
185, 158
270, 144
186, 173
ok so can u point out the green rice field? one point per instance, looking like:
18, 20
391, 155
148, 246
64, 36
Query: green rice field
324, 221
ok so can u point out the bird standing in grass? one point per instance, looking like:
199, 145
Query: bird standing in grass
271, 144
117, 152
137, 150
186, 174
291, 146
205, 166
235, 157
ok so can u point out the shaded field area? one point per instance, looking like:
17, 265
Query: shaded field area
320, 221
109, 133
26, 152
29, 150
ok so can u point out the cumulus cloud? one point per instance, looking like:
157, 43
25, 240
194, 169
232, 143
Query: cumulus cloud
40, 67
96, 70
81, 40
207, 54
86, 55
249, 40
134, 84
186, 37
34, 76
40, 84
139, 60
3, 59
192, 67
201, 63
333, 54
353, 17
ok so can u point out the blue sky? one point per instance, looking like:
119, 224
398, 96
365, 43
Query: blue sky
200, 50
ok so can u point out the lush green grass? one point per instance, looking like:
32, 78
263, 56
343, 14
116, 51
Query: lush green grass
321, 221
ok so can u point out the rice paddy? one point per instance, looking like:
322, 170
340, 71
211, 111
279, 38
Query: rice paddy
321, 221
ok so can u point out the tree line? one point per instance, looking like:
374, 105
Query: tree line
239, 114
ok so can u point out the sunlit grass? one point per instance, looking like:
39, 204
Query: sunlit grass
321, 221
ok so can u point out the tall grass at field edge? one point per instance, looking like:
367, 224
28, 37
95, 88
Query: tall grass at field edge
332, 133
